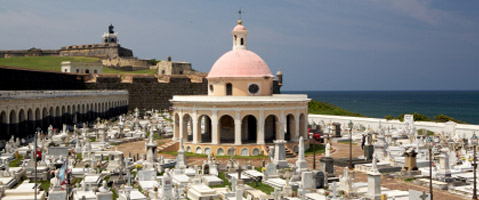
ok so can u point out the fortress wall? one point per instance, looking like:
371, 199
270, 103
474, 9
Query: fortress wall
127, 63
25, 53
147, 91
100, 51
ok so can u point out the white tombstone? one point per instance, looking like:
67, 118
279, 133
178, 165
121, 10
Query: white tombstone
301, 164
307, 180
374, 181
181, 158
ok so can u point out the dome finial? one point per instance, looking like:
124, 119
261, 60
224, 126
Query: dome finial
240, 21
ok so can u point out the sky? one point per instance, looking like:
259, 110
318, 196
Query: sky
317, 44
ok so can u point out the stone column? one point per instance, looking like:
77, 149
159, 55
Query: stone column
181, 125
296, 127
214, 123
237, 128
195, 127
282, 124
260, 136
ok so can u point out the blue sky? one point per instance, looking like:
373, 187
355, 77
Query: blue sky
317, 44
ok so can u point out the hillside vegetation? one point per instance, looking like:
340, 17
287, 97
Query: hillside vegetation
422, 117
318, 107
53, 63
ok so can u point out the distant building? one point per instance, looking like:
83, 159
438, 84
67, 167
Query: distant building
173, 67
82, 67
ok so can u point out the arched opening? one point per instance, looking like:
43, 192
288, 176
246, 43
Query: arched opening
205, 129
3, 123
69, 115
63, 117
83, 113
226, 129
95, 111
21, 125
58, 117
271, 126
290, 132
187, 127
51, 117
177, 126
249, 129
242, 41
30, 122
302, 126
38, 119
74, 116
13, 122
45, 120
229, 89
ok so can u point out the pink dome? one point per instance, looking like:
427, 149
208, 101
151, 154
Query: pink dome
239, 27
239, 63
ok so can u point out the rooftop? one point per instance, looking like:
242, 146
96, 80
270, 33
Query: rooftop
276, 98
37, 94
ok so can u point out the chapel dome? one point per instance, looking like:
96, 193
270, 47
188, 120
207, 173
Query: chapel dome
239, 63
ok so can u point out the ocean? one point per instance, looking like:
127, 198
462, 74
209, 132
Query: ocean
461, 105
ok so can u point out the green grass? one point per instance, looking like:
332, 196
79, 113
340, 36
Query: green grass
222, 176
16, 162
263, 187
44, 185
50, 63
194, 155
319, 148
346, 142
318, 107
53, 63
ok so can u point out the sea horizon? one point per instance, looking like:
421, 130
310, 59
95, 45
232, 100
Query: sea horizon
462, 105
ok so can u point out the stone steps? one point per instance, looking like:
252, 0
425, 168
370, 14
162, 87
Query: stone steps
289, 153
166, 145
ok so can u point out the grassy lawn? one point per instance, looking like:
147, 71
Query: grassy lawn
319, 148
44, 185
346, 142
53, 63
16, 162
222, 176
263, 187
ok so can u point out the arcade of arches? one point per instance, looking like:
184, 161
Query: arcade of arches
21, 112
237, 123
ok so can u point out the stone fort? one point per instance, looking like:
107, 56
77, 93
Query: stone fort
111, 53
